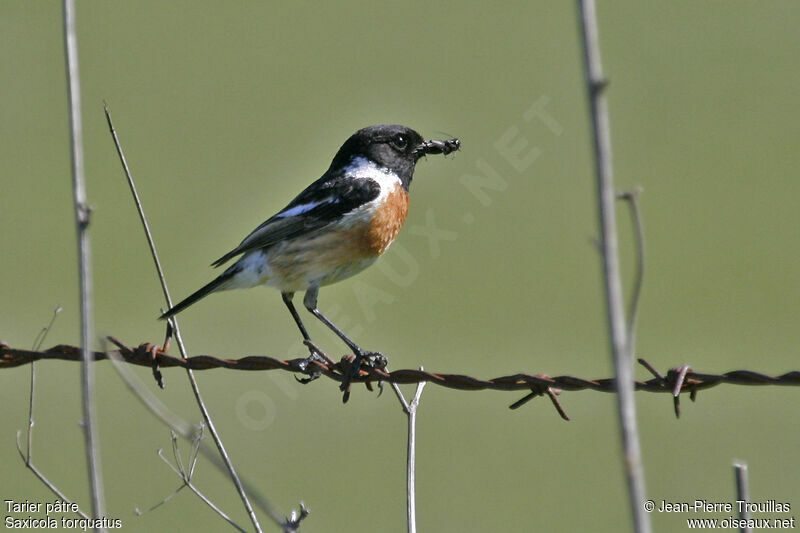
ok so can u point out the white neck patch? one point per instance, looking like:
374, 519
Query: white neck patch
363, 168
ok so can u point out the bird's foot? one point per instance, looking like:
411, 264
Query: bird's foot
315, 355
362, 357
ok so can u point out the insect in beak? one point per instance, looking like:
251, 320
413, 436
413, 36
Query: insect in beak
438, 147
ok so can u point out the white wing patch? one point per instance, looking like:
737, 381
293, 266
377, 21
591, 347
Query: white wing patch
359, 168
302, 208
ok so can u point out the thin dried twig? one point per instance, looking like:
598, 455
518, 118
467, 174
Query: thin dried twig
151, 401
37, 344
186, 476
632, 197
410, 410
742, 494
85, 284
195, 388
179, 461
400, 397
38, 473
27, 456
189, 432
292, 522
620, 345
411, 498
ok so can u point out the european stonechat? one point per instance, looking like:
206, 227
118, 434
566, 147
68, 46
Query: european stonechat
335, 228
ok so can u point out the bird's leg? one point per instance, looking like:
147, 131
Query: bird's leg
374, 358
310, 301
287, 299
315, 354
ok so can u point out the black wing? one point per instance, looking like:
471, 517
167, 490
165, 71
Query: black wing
324, 201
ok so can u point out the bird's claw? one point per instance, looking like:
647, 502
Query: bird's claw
371, 359
374, 359
311, 377
315, 354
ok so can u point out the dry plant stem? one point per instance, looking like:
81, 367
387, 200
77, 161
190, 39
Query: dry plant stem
186, 430
411, 496
84, 267
139, 208
632, 197
37, 344
29, 464
742, 492
27, 456
30, 414
400, 397
186, 477
620, 347
410, 409
192, 381
151, 401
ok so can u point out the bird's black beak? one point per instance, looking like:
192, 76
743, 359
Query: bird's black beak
438, 147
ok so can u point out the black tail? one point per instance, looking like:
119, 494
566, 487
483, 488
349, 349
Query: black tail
198, 295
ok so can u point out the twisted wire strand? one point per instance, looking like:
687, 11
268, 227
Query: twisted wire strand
677, 380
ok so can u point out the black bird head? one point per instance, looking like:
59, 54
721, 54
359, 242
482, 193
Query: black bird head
392, 146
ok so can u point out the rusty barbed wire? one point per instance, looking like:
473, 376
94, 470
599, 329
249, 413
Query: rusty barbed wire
677, 380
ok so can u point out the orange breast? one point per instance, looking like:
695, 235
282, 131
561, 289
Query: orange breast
385, 224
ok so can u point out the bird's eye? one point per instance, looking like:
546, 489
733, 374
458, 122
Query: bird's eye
400, 142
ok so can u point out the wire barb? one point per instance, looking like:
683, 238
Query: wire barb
677, 380
541, 390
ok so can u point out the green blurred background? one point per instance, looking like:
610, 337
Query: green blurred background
227, 110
